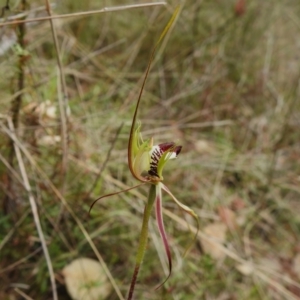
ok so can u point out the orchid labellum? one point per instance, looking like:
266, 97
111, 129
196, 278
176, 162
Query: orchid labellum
146, 162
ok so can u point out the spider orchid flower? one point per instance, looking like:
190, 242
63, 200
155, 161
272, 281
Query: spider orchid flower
146, 162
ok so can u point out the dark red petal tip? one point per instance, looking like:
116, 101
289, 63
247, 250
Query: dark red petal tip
166, 146
177, 149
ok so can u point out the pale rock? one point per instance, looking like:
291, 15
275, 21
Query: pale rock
85, 280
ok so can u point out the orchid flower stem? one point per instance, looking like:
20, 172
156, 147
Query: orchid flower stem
143, 239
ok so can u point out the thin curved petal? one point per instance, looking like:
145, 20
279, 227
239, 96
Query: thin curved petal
113, 194
181, 205
161, 228
184, 208
133, 124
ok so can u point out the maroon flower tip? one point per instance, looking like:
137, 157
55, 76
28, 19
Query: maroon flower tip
177, 149
166, 146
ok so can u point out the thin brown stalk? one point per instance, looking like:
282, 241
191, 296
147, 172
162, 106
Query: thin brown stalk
21, 293
85, 13
16, 106
35, 213
22, 14
103, 166
133, 281
62, 97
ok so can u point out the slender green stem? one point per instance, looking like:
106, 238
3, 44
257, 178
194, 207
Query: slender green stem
143, 239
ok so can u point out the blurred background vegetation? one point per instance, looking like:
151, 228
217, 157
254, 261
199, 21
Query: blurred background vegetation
224, 85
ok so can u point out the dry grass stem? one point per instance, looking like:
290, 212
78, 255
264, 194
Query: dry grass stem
21, 293
62, 95
34, 208
86, 13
